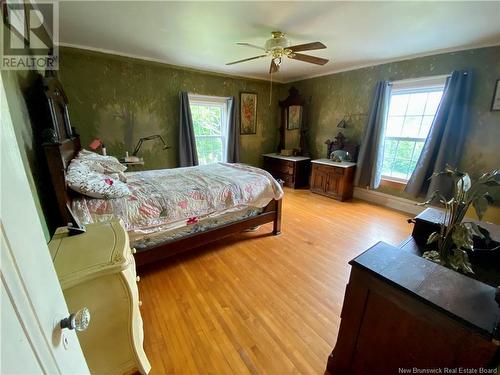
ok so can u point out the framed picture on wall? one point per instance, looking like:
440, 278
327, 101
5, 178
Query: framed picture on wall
248, 113
495, 104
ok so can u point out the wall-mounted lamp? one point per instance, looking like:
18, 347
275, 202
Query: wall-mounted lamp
148, 138
342, 124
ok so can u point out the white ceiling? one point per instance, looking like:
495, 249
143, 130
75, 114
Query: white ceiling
202, 35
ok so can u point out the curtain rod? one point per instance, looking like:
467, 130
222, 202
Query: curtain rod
442, 76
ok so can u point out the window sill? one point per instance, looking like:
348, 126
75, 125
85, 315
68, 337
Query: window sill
392, 184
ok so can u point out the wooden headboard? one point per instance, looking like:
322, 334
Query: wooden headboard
61, 144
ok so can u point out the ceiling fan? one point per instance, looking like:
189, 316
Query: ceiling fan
279, 46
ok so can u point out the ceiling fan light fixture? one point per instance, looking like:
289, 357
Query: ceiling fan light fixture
277, 42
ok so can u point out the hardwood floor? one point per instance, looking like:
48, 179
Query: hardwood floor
257, 303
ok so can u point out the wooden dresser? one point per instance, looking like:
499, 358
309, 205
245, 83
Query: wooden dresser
97, 270
402, 312
333, 179
293, 170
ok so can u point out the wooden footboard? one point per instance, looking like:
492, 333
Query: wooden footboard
271, 213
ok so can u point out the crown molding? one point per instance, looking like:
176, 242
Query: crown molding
278, 81
398, 59
167, 63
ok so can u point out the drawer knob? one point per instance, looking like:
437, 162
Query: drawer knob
78, 321
140, 303
134, 250
137, 278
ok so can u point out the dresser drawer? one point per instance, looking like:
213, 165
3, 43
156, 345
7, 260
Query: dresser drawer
339, 170
322, 168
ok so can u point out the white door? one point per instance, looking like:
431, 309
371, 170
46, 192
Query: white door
32, 303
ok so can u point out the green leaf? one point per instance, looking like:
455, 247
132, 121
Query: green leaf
462, 236
474, 228
459, 261
433, 256
434, 236
480, 205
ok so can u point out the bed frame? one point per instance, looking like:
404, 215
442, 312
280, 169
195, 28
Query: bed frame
61, 145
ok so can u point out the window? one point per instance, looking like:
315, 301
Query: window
210, 127
412, 108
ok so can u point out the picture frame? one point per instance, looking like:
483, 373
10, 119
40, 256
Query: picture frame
495, 102
248, 113
294, 117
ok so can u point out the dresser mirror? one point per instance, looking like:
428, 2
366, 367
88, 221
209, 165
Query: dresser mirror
293, 127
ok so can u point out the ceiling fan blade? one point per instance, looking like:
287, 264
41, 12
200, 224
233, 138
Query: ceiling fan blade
274, 68
250, 58
307, 46
251, 45
309, 59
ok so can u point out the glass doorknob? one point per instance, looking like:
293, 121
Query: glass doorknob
78, 321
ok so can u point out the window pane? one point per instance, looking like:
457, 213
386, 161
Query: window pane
418, 150
398, 104
408, 124
207, 124
433, 102
206, 119
394, 126
400, 168
390, 148
426, 126
416, 103
411, 126
209, 150
405, 150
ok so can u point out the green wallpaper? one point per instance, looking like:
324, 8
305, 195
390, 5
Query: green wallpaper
336, 95
121, 99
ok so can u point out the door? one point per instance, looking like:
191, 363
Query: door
333, 184
318, 180
31, 297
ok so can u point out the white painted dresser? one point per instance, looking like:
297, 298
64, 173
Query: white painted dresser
97, 270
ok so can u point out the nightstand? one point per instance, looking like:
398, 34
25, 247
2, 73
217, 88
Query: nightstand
96, 269
333, 179
293, 170
131, 163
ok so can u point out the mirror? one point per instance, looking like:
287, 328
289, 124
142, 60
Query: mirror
294, 118
293, 129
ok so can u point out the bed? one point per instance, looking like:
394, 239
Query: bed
183, 208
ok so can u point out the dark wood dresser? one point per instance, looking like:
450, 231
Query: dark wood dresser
293, 170
402, 312
333, 179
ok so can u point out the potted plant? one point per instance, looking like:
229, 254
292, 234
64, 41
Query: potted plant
455, 236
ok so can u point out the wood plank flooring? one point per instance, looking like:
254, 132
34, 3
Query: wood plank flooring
261, 304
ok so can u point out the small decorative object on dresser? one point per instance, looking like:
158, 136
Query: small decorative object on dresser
333, 179
97, 269
293, 170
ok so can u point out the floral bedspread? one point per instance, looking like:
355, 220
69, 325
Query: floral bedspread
170, 198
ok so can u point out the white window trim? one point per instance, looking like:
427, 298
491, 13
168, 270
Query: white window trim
214, 100
414, 85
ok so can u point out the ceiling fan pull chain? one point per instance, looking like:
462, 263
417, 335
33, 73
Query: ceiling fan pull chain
271, 91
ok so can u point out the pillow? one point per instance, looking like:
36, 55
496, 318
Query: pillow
103, 164
82, 179
109, 164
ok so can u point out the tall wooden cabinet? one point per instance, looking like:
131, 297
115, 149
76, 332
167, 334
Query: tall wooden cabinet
97, 270
333, 179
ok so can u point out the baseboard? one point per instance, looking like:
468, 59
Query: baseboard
387, 200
